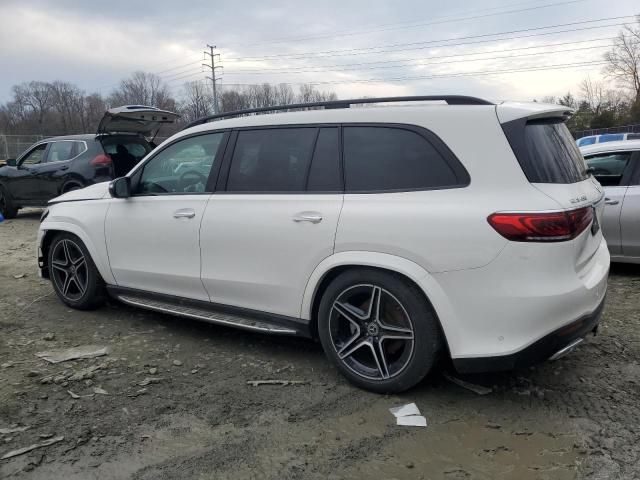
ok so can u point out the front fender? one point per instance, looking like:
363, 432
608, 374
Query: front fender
79, 218
409, 269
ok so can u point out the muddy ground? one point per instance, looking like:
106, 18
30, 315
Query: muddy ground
574, 418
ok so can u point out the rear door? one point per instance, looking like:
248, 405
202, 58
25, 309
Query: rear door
613, 171
274, 218
630, 214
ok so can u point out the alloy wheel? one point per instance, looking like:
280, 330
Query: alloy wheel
69, 269
371, 332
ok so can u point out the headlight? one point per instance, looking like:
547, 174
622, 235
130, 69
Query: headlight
44, 215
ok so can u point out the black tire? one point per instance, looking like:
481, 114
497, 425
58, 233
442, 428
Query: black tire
403, 307
7, 207
73, 273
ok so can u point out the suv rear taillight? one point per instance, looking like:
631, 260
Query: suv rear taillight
101, 160
542, 226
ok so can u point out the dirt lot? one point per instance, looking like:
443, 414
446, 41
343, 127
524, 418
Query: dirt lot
574, 418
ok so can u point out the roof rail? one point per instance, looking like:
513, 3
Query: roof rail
450, 99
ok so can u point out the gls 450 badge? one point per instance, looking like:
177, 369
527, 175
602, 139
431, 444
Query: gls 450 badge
580, 199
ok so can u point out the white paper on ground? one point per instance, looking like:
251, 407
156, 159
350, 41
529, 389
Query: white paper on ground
405, 410
412, 421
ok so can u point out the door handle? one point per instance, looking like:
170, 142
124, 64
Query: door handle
312, 217
184, 213
608, 201
64, 168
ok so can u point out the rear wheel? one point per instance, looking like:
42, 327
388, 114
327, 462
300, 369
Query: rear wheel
379, 330
7, 208
74, 276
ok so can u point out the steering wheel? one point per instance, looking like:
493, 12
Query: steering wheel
181, 180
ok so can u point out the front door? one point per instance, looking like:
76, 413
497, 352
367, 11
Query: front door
26, 187
275, 219
153, 237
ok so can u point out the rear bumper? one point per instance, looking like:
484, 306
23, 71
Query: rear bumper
541, 350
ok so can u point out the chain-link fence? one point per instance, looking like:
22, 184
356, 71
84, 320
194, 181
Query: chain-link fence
13, 145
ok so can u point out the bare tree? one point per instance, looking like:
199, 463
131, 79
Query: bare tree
143, 89
68, 100
197, 101
35, 96
623, 60
593, 93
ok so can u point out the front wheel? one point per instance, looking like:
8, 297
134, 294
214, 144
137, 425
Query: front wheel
75, 278
379, 330
7, 208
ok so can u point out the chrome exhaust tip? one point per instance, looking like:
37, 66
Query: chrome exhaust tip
568, 349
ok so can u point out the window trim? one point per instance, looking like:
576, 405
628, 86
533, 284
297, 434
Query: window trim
627, 175
51, 143
136, 173
459, 170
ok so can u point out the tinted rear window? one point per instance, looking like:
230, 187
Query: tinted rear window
546, 151
382, 158
611, 137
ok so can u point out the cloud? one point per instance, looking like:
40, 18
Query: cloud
95, 45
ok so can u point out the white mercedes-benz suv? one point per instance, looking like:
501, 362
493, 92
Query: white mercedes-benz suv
420, 227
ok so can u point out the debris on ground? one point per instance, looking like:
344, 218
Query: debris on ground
21, 451
5, 431
150, 380
153, 371
256, 383
100, 391
73, 395
85, 351
21, 275
408, 416
177, 363
475, 388
49, 336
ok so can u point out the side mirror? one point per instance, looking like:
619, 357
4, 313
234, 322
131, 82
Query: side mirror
11, 162
120, 187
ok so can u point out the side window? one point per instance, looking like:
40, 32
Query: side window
35, 156
385, 158
609, 168
271, 160
324, 175
60, 151
182, 167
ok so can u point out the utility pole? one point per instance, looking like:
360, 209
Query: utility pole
213, 78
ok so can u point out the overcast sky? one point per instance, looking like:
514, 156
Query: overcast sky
95, 44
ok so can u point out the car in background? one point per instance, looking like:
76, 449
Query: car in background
58, 165
606, 137
616, 165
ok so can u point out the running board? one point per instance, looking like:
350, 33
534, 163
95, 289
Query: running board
207, 312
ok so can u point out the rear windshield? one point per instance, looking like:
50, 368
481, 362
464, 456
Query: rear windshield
546, 151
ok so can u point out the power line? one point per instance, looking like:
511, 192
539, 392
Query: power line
355, 51
416, 62
407, 25
437, 76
